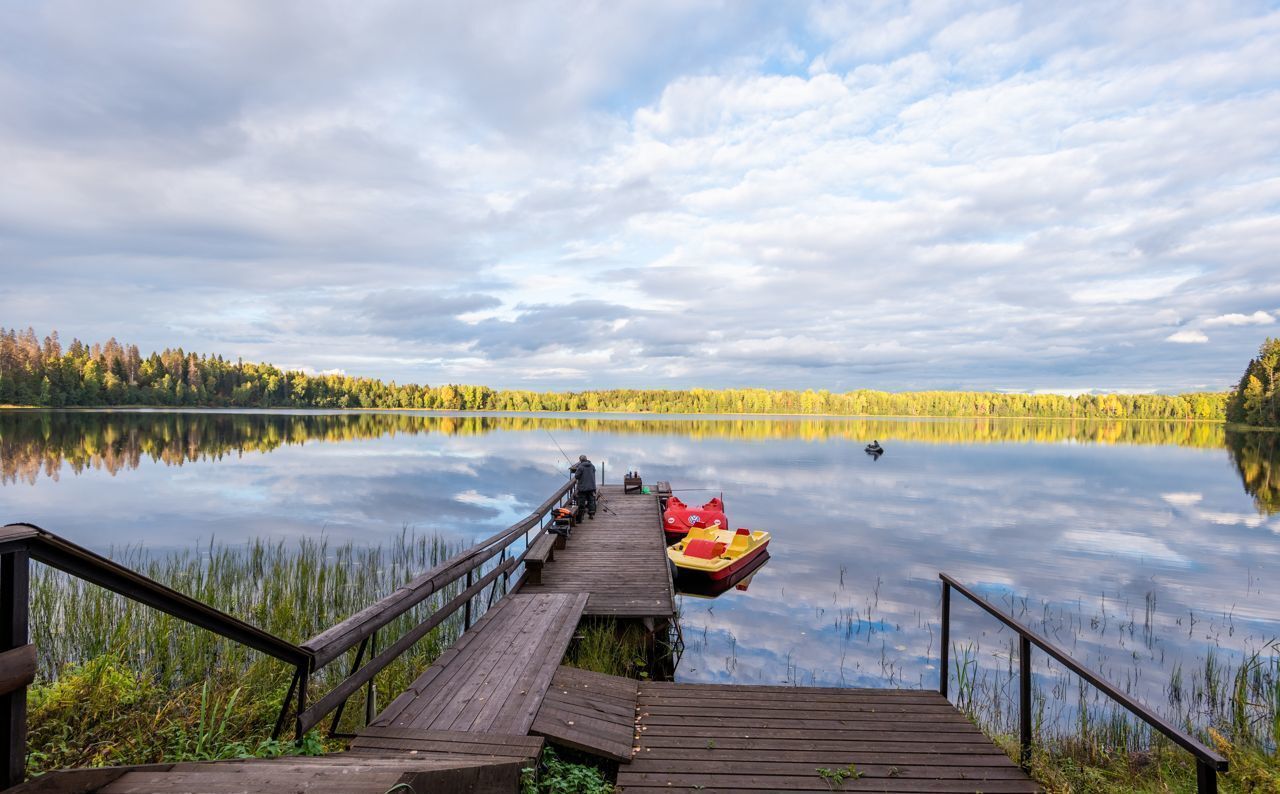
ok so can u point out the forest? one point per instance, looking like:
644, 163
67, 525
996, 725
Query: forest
1256, 400
44, 373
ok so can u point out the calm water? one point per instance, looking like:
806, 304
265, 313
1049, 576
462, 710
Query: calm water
1142, 546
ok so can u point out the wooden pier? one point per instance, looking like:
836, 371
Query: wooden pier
484, 709
618, 558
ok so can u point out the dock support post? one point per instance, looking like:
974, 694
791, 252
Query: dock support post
15, 579
371, 693
304, 675
1024, 700
466, 618
1206, 778
943, 660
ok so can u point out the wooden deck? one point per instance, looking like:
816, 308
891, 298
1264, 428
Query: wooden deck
619, 559
590, 712
494, 677
465, 722
754, 738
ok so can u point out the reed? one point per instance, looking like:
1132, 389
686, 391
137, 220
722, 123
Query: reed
120, 683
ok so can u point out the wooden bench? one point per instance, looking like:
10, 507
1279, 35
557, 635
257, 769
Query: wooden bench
540, 553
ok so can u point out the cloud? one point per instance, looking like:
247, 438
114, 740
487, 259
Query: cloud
662, 194
1257, 318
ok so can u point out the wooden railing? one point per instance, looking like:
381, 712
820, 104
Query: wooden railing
1208, 762
360, 631
22, 543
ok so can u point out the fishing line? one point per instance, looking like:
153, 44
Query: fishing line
557, 443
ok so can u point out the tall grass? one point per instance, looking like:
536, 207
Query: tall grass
119, 682
1087, 742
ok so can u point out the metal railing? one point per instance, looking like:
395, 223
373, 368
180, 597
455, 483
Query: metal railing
1208, 762
22, 543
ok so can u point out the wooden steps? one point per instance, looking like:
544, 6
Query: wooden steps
391, 742
332, 774
590, 712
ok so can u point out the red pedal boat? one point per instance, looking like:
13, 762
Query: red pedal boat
679, 518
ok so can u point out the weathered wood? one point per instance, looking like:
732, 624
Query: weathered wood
336, 640
619, 558
588, 711
15, 581
313, 715
496, 675
722, 737
17, 668
392, 741
541, 552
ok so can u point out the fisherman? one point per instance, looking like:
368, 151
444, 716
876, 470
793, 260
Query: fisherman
584, 472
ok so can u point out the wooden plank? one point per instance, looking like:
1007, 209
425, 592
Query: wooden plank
395, 709
455, 703
814, 782
619, 558
402, 740
510, 662
518, 713
722, 737
712, 764
17, 668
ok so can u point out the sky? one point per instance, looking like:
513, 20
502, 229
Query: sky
889, 195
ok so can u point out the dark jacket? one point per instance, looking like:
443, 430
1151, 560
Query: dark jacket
585, 473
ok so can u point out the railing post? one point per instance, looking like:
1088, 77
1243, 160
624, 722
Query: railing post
466, 619
371, 694
943, 658
304, 675
15, 580
1024, 700
1206, 778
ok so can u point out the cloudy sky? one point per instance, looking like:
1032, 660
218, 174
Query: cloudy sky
886, 195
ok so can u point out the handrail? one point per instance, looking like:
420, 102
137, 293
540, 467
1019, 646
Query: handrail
58, 552
22, 542
338, 639
19, 545
361, 629
1208, 762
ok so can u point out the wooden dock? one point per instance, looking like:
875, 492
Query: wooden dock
485, 707
495, 676
763, 738
618, 558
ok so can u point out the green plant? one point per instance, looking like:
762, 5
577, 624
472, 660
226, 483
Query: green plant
559, 776
120, 683
835, 778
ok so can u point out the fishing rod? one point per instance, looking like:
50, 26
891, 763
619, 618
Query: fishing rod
557, 443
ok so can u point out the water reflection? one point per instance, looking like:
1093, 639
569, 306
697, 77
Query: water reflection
702, 587
38, 443
1257, 457
1129, 543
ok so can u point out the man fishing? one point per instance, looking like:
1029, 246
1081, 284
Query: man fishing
584, 472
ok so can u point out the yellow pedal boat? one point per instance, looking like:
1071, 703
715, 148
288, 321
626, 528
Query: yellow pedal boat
717, 553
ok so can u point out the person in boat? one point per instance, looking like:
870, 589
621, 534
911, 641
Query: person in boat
584, 472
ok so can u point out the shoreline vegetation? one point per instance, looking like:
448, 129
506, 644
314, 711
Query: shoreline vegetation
119, 683
41, 373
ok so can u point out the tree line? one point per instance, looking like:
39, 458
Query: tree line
41, 372
46, 444
1256, 399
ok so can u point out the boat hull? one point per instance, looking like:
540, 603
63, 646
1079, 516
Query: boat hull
717, 554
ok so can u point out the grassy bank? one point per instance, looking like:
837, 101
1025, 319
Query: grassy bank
1086, 743
120, 683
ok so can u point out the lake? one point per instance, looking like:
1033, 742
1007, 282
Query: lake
1146, 548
